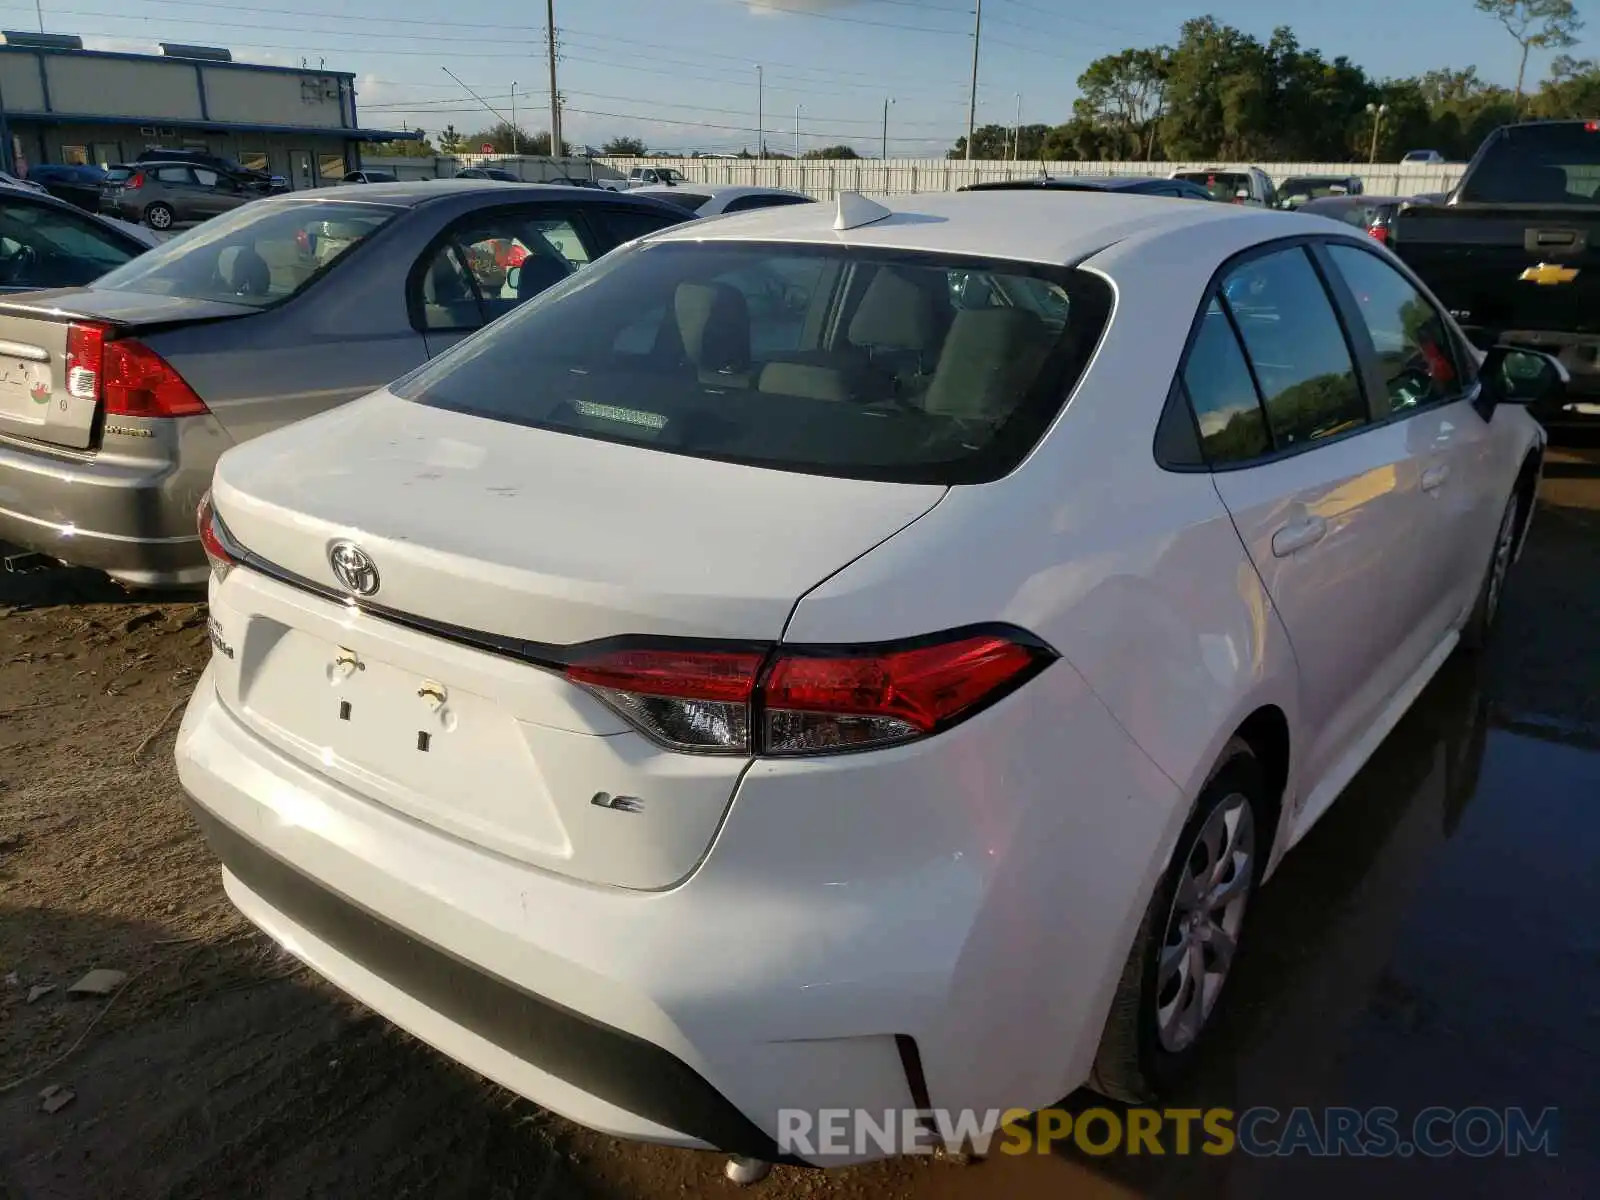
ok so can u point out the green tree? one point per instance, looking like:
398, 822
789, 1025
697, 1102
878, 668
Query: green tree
624, 147
1572, 89
422, 148
509, 139
840, 151
1534, 24
449, 139
1126, 92
988, 142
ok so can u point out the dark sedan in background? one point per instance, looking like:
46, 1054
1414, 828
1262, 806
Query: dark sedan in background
117, 398
1374, 214
1138, 185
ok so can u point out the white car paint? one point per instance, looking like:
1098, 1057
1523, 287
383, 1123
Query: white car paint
721, 197
774, 922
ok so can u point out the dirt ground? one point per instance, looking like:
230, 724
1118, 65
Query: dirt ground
219, 1068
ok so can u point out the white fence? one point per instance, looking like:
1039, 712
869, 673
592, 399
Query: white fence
825, 179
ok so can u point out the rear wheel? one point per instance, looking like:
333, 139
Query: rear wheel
159, 216
1187, 945
1475, 633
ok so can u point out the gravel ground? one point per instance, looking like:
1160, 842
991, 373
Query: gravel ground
219, 1068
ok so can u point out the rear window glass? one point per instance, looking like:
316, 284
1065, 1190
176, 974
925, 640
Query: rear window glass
1223, 185
258, 254
688, 201
1296, 192
1538, 164
827, 360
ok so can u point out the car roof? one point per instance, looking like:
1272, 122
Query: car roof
717, 191
1071, 182
408, 193
1024, 225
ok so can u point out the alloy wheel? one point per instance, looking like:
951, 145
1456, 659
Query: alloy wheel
1505, 543
1202, 932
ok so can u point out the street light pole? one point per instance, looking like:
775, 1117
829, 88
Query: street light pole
972, 98
797, 109
887, 100
1377, 111
1016, 132
761, 132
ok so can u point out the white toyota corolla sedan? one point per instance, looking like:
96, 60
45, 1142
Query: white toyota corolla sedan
843, 657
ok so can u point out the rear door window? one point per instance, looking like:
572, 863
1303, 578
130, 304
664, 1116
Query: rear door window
174, 176
1223, 185
1297, 348
1227, 408
824, 359
1415, 354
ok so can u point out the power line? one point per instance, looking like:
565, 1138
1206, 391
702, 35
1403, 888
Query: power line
817, 16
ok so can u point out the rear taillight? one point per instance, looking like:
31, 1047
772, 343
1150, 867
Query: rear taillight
792, 700
138, 382
128, 377
85, 360
134, 182
221, 550
1379, 232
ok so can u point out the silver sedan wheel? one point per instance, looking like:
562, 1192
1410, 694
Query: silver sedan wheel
1504, 548
1217, 875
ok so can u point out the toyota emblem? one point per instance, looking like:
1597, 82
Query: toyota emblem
354, 568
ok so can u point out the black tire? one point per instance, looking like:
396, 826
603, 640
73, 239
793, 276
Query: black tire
159, 216
1133, 1065
1476, 632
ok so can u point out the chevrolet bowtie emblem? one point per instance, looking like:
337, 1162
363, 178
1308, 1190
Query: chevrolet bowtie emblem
1549, 273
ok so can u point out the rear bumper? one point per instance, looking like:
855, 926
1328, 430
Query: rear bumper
947, 896
133, 519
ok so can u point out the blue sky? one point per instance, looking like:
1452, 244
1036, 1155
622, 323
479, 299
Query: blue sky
682, 73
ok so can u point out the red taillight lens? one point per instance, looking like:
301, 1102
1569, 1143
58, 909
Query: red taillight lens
221, 550
134, 182
1380, 233
820, 704
799, 702
85, 360
138, 382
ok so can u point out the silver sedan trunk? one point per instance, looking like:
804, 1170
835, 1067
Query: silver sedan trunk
131, 388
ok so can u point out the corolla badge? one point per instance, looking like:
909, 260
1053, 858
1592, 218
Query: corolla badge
353, 567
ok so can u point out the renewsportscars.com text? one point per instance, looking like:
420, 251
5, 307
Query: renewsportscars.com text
1333, 1132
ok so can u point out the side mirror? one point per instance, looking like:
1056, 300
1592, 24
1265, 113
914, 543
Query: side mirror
1514, 375
514, 278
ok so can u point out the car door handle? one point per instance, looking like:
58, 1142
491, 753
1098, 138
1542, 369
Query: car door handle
1297, 535
1433, 477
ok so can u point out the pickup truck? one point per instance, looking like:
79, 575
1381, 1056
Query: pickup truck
645, 177
1513, 252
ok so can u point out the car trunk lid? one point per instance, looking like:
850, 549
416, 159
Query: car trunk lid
496, 549
37, 400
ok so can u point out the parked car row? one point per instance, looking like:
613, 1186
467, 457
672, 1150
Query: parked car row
624, 627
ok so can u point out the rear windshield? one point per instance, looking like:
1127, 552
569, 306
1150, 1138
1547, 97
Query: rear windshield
1538, 164
827, 360
1223, 185
118, 174
259, 254
1295, 192
691, 201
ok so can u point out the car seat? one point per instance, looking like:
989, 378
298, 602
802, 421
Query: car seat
713, 321
990, 358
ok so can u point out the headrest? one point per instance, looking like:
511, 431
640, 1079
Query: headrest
990, 356
714, 323
894, 314
804, 379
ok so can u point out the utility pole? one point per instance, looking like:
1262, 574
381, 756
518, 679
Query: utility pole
972, 99
761, 116
887, 100
38, 6
1016, 132
1377, 111
555, 96
797, 109
515, 148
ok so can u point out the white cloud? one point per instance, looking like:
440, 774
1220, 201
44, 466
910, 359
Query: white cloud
780, 8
